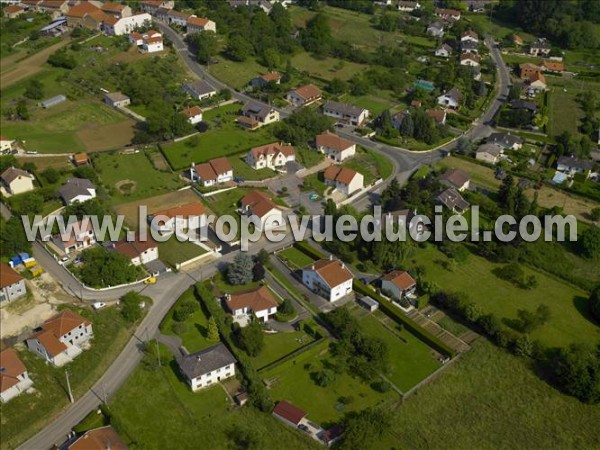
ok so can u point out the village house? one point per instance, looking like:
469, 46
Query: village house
6, 144
469, 59
552, 66
449, 15
12, 285
346, 113
537, 82
80, 237
335, 147
570, 166
193, 114
524, 104
255, 115
469, 47
258, 204
213, 172
17, 181
179, 18
138, 251
151, 6
162, 15
436, 29
489, 153
54, 8
443, 51
304, 95
262, 80
469, 36
450, 99
398, 284
455, 178
439, 115
526, 70
125, 25
452, 200
151, 41
116, 99
541, 47
265, 5
87, 15
258, 302
199, 24
345, 180
505, 140
77, 190
117, 10
14, 377
517, 40
208, 366
185, 218
476, 6
408, 6
289, 414
13, 11
62, 338
199, 90
272, 156
329, 278
103, 438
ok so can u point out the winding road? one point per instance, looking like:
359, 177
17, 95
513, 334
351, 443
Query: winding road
171, 286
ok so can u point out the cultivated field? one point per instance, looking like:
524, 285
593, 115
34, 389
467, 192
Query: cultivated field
107, 137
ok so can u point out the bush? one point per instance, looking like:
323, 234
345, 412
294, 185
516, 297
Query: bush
179, 328
595, 303
381, 386
183, 311
130, 306
323, 377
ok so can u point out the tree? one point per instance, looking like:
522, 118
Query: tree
34, 90
364, 428
324, 377
258, 272
317, 37
407, 126
130, 306
102, 268
263, 256
21, 110
251, 338
184, 310
13, 238
595, 303
240, 270
589, 242
388, 22
577, 370
507, 194
51, 175
337, 86
238, 47
464, 145
213, 331
286, 308
206, 46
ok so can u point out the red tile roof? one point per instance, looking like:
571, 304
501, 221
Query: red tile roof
8, 276
341, 174
333, 271
113, 7
191, 111
271, 76
258, 202
99, 439
133, 249
187, 210
50, 342
11, 368
64, 322
273, 149
289, 412
308, 92
333, 141
401, 279
197, 21
13, 9
257, 299
82, 9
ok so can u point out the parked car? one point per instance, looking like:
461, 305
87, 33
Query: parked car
239, 180
98, 305
150, 280
64, 260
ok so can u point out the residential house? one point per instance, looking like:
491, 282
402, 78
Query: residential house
304, 95
125, 25
541, 47
344, 179
92, 21
452, 200
451, 98
405, 218
335, 147
77, 190
258, 204
117, 10
265, 5
398, 284
399, 117
188, 217
517, 40
469, 47
6, 144
476, 6
258, 302
439, 115
537, 82
175, 17
80, 159
213, 172
13, 11
449, 15
79, 237
469, 36
54, 8
272, 156
524, 104
470, 59
16, 181
443, 51
255, 115
527, 70
329, 278
199, 90
208, 366
262, 80
116, 99
14, 377
12, 285
152, 42
103, 438
151, 6
193, 114
553, 66
138, 251
456, 179
571, 166
408, 6
346, 113
62, 338
436, 29
489, 153
289, 414
200, 24
505, 140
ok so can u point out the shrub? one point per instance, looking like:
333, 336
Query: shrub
179, 328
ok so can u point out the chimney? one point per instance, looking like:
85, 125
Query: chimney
312, 267
198, 358
331, 257
343, 266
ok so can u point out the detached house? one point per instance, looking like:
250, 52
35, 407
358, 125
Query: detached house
344, 179
272, 156
212, 365
541, 47
187, 217
443, 51
408, 6
79, 237
62, 338
452, 200
398, 284
255, 115
436, 29
469, 47
257, 302
329, 278
12, 285
137, 251
77, 190
103, 438
469, 36
17, 181
304, 95
489, 153
450, 15
13, 11
117, 10
199, 90
262, 80
439, 115
257, 203
199, 24
346, 113
571, 166
125, 25
505, 140
527, 70
537, 82
14, 377
451, 99
193, 114
215, 171
455, 178
470, 59
552, 66
335, 147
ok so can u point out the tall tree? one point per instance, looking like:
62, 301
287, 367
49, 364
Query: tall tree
240, 270
213, 331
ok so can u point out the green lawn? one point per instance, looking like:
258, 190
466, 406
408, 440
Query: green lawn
371, 164
223, 287
173, 252
308, 157
279, 345
567, 324
242, 170
376, 103
564, 111
136, 176
296, 257
480, 175
223, 138
292, 381
236, 74
326, 68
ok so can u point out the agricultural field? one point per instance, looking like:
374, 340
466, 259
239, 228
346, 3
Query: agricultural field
132, 176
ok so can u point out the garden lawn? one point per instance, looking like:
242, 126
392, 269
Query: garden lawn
223, 286
376, 104
237, 74
308, 157
130, 177
565, 111
568, 322
372, 165
292, 381
326, 68
296, 257
242, 170
279, 345
479, 174
173, 251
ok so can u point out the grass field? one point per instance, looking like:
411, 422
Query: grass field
326, 68
490, 399
375, 103
242, 170
372, 165
226, 202
565, 111
132, 176
279, 345
236, 74
308, 157
474, 277
173, 252
296, 257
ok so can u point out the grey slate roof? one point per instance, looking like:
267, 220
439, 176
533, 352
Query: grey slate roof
454, 94
452, 199
201, 87
523, 104
469, 45
205, 361
258, 109
74, 187
343, 108
492, 149
505, 140
575, 163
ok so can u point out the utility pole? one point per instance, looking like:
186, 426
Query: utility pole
69, 386
157, 352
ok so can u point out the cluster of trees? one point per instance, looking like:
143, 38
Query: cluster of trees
568, 144
130, 306
590, 105
302, 126
515, 274
417, 125
243, 270
102, 268
62, 58
13, 239
34, 89
250, 338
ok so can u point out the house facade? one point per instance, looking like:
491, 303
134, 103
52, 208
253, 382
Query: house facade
193, 114
125, 25
17, 181
14, 378
346, 113
199, 24
258, 302
199, 90
207, 367
259, 205
506, 140
398, 284
273, 156
304, 95
255, 115
489, 153
138, 251
455, 178
214, 172
189, 216
450, 99
329, 278
262, 80
12, 285
443, 51
470, 59
344, 179
571, 166
79, 237
451, 199
334, 147
117, 10
77, 190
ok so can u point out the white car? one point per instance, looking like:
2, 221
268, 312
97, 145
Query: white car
64, 259
98, 305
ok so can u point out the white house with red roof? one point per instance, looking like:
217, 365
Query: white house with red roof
398, 284
125, 25
345, 180
137, 250
199, 24
61, 338
272, 156
329, 278
14, 377
193, 114
12, 285
213, 172
304, 95
258, 204
189, 217
79, 237
258, 302
335, 147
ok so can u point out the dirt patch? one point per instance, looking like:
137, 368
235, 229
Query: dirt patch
549, 197
107, 137
126, 187
11, 73
45, 162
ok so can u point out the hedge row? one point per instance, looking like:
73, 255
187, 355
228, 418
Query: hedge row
308, 250
388, 308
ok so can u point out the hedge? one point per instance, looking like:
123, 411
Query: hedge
308, 250
392, 311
